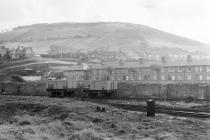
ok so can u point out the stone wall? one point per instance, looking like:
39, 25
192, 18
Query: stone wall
125, 89
24, 88
195, 91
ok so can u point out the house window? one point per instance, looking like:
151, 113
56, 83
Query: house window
179, 69
169, 77
189, 77
140, 78
208, 68
201, 69
162, 70
189, 69
172, 69
208, 77
162, 77
172, 77
179, 77
155, 77
169, 69
200, 77
124, 77
196, 69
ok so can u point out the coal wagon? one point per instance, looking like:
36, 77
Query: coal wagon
90, 88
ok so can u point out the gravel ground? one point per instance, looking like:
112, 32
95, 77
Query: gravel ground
43, 118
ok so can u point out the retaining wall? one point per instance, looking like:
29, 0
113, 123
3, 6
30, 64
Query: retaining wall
29, 88
195, 91
126, 89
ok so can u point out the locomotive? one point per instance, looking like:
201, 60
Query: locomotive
89, 88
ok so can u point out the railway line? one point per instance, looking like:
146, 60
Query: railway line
187, 112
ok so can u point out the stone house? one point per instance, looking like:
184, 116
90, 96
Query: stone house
169, 72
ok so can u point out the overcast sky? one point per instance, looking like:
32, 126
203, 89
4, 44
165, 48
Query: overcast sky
189, 18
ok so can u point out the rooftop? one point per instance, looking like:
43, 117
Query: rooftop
117, 65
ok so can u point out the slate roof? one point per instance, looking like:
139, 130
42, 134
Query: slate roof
117, 65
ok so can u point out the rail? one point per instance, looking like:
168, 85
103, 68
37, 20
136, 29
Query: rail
158, 109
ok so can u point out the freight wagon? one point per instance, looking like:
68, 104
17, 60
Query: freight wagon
90, 88
101, 88
63, 87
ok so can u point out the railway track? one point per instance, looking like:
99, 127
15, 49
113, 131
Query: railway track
158, 109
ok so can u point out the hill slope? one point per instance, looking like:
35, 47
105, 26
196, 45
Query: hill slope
112, 36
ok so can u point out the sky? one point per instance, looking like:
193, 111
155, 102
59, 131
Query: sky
188, 18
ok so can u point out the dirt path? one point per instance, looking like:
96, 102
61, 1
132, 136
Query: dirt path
43, 118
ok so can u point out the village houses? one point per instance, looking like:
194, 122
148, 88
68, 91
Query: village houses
153, 71
15, 54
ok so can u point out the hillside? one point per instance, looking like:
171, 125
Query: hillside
113, 36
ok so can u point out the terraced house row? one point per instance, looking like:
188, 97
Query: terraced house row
195, 71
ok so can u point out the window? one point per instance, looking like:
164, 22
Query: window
208, 77
201, 69
189, 69
155, 77
162, 77
179, 69
169, 69
162, 69
140, 78
208, 68
172, 77
196, 69
189, 77
179, 77
124, 77
200, 77
169, 77
172, 69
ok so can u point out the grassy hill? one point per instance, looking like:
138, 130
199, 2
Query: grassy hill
112, 36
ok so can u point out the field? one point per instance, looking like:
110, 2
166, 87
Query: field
43, 118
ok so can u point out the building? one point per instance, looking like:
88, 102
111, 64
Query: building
29, 53
152, 71
22, 53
